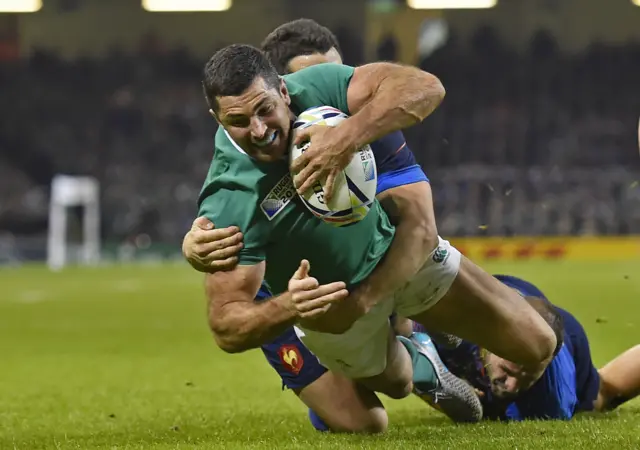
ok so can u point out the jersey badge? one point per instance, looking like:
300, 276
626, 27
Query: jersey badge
291, 358
278, 198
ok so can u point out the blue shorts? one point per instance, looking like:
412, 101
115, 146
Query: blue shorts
296, 365
587, 376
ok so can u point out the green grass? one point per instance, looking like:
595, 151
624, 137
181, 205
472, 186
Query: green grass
121, 358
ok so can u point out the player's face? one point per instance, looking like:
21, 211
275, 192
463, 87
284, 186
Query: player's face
258, 120
302, 61
507, 379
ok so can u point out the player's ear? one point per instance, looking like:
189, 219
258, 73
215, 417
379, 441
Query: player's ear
284, 92
215, 116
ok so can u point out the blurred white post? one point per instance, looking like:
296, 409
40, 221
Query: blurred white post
68, 191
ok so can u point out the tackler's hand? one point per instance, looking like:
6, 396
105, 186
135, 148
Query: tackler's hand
210, 249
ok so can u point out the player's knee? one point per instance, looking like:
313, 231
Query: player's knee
373, 421
399, 390
546, 334
540, 349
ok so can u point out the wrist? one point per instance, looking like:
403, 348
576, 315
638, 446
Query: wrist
285, 301
349, 134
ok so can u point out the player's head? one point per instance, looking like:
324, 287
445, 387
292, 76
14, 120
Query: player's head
507, 380
249, 99
299, 44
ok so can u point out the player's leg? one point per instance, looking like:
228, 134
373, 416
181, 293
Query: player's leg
335, 402
367, 351
451, 294
396, 378
370, 354
619, 380
342, 405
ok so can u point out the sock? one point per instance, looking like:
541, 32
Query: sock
317, 422
424, 374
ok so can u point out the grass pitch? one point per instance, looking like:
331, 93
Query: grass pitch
121, 358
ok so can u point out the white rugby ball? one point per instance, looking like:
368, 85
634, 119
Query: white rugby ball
354, 188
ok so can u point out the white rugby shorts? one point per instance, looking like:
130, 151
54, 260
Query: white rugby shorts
361, 352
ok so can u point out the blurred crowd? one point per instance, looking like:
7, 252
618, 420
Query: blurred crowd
540, 143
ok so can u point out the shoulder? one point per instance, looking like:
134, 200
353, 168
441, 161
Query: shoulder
230, 179
321, 84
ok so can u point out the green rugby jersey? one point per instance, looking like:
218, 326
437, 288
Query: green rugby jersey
260, 199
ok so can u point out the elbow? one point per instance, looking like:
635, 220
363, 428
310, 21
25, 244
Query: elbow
230, 344
434, 91
228, 339
438, 89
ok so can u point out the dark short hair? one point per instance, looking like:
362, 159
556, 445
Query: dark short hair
299, 37
231, 70
550, 315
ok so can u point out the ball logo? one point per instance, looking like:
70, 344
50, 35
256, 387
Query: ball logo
369, 170
318, 190
291, 358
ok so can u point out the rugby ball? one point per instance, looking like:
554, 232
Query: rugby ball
354, 188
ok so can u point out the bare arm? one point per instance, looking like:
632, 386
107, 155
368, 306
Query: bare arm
382, 98
237, 321
410, 208
386, 97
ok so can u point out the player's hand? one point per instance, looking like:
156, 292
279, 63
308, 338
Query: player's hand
209, 249
310, 299
325, 157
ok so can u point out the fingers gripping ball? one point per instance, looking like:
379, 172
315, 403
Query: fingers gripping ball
354, 187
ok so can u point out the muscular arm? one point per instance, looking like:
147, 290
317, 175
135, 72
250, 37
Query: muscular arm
410, 208
386, 97
237, 321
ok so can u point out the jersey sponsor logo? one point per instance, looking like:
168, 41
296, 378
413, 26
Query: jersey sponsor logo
291, 358
278, 198
440, 255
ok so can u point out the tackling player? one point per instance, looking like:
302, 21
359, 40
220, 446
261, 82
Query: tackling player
570, 384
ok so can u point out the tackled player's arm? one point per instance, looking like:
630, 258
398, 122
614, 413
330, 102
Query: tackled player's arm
238, 322
384, 97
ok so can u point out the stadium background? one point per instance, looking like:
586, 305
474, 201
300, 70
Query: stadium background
533, 157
